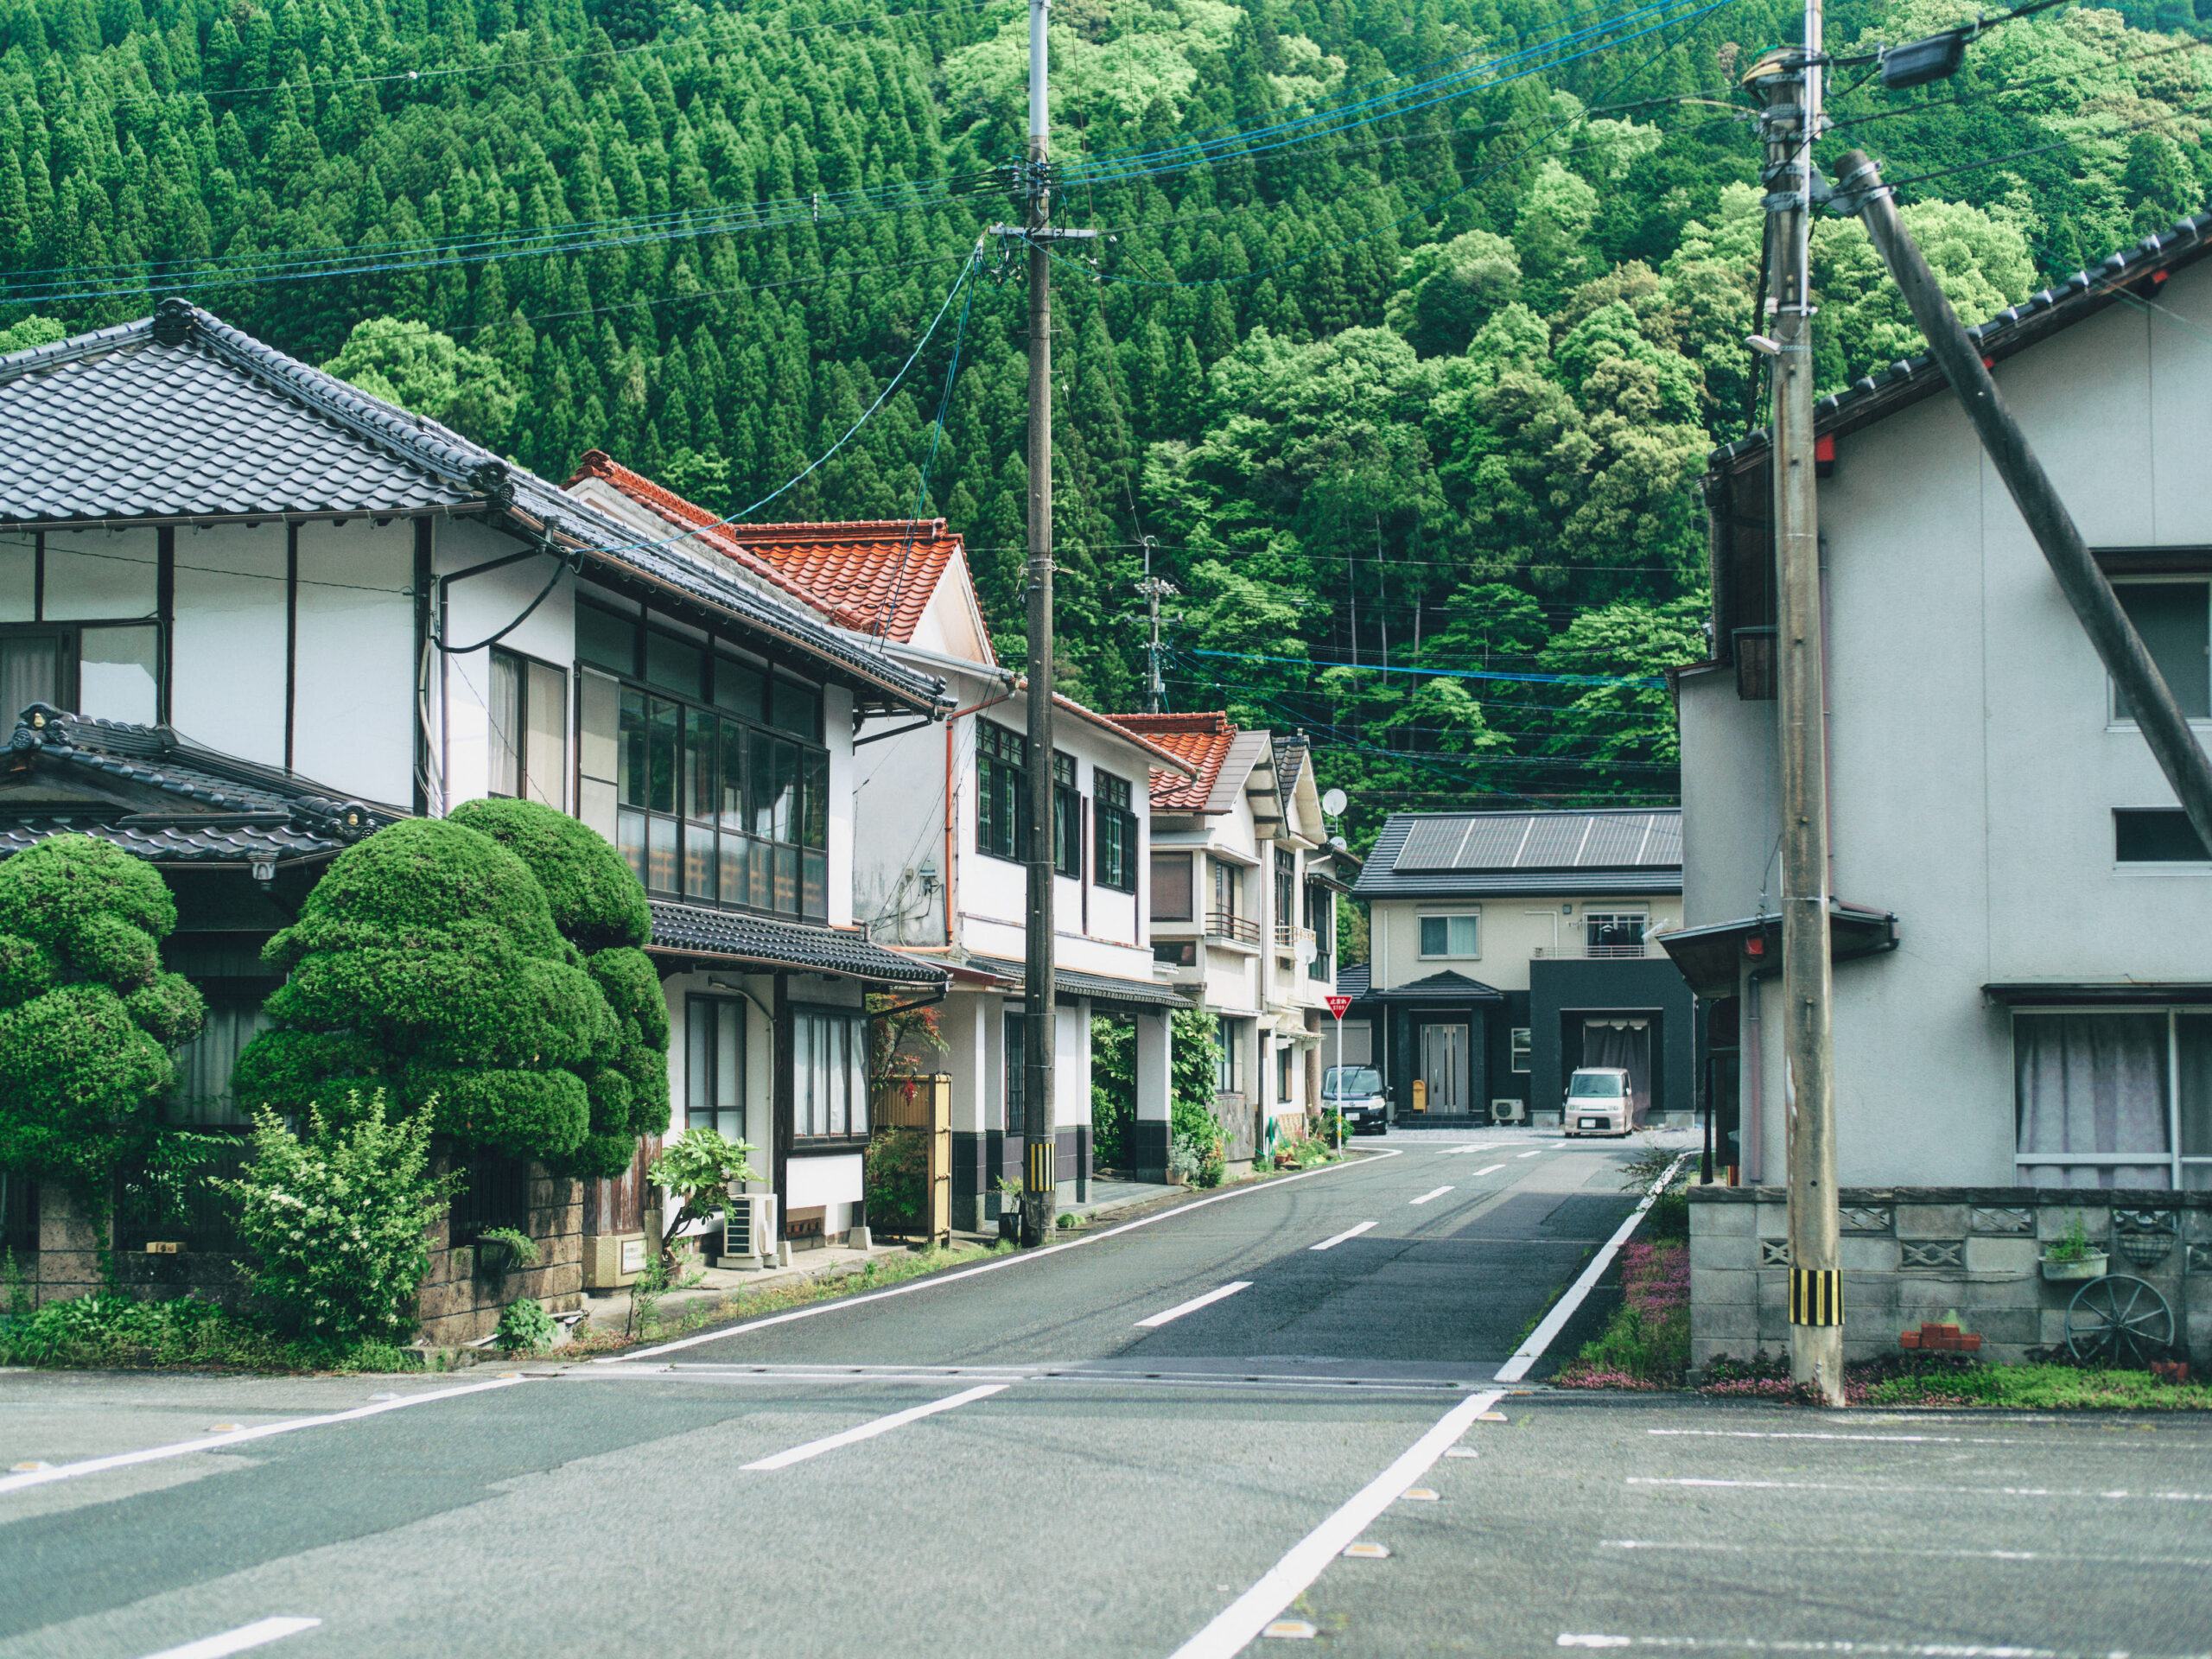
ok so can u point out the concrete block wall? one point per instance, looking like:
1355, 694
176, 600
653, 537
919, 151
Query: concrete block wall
1917, 1254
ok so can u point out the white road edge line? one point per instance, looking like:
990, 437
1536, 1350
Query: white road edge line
1353, 1231
1563, 1310
880, 1426
1488, 1169
1015, 1261
238, 1437
258, 1634
1250, 1613
1434, 1192
1197, 1302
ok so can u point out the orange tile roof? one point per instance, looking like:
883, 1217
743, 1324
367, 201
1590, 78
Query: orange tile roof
1200, 741
870, 574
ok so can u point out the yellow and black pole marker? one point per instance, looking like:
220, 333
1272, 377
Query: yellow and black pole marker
1816, 1296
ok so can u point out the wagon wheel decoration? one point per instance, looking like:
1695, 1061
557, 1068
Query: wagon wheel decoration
2119, 1320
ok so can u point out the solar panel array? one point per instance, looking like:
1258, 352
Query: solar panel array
1543, 841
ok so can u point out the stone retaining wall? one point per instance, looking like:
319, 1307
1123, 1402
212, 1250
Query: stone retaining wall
1915, 1254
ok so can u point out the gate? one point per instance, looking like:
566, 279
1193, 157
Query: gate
924, 1104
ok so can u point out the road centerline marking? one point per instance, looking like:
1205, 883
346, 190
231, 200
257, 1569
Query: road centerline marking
868, 1431
1437, 1192
1488, 1169
1532, 1151
1353, 1231
1176, 1311
238, 1437
260, 1633
1251, 1612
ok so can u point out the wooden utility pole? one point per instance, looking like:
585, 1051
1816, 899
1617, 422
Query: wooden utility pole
1039, 1130
2086, 589
1788, 85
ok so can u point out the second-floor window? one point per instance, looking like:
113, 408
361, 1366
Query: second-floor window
719, 789
1114, 859
1067, 818
529, 730
1285, 894
1171, 888
2175, 619
1229, 1068
1613, 933
1002, 791
1451, 936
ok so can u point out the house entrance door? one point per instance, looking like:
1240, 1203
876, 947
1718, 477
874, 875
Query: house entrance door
1443, 1069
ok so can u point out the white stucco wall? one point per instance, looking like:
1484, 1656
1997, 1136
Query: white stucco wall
1512, 932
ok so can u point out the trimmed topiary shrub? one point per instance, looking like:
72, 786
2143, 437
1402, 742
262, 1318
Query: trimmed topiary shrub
598, 906
426, 964
87, 1016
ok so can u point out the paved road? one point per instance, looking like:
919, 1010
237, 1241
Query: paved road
1013, 1460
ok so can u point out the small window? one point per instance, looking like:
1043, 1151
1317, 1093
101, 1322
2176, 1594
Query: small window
714, 1070
1002, 791
796, 708
1017, 1069
830, 1075
1613, 933
1284, 1056
679, 666
1450, 936
2172, 618
1228, 1069
529, 733
1067, 818
604, 639
1521, 1048
1170, 886
2156, 836
1114, 857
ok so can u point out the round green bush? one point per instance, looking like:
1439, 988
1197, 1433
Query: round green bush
87, 1017
426, 963
595, 900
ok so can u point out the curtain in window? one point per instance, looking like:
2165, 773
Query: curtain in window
507, 734
1625, 1044
30, 671
2093, 1084
2193, 1046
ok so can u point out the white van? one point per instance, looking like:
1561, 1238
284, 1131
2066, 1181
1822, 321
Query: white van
1599, 1102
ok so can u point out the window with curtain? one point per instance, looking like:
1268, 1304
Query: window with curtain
1228, 1069
529, 736
830, 1080
2120, 1098
1171, 888
714, 1065
1450, 936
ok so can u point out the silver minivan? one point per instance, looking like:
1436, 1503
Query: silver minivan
1599, 1102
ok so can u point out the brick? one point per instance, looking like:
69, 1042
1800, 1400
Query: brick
1723, 1251
1931, 1220
1723, 1322
1774, 1287
1722, 1218
1774, 1221
1866, 1253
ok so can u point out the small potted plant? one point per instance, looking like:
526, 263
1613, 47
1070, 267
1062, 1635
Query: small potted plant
2069, 1255
1009, 1209
500, 1249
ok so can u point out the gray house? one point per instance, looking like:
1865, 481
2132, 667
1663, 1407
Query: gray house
1510, 947
2023, 994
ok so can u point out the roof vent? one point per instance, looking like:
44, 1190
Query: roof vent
173, 321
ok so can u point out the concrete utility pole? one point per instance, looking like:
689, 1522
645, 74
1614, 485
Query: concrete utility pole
1788, 85
2118, 645
1039, 1130
1153, 588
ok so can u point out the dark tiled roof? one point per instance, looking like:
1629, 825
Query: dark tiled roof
225, 811
1445, 987
181, 416
1910, 379
1104, 988
681, 929
1353, 980
1447, 854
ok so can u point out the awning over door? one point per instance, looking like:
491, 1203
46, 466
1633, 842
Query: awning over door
1710, 956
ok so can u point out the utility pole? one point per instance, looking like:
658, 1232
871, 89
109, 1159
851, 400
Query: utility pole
1039, 1131
1788, 85
1153, 588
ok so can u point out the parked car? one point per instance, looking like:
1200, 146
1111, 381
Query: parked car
1599, 1102
1357, 1092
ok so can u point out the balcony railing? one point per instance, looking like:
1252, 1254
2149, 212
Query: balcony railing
1227, 924
1577, 951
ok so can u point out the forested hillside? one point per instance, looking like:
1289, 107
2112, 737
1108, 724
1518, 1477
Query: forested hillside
1410, 331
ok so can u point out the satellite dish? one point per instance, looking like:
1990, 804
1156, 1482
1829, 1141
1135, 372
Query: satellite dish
1334, 803
1339, 843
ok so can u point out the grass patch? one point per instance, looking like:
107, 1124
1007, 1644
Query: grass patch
1646, 1345
875, 1274
109, 1333
1906, 1379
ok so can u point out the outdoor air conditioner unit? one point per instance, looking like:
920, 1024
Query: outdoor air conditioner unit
749, 1231
1508, 1111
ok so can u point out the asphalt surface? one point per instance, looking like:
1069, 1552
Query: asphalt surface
1011, 1460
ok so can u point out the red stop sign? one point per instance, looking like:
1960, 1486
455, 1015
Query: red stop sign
1339, 1004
